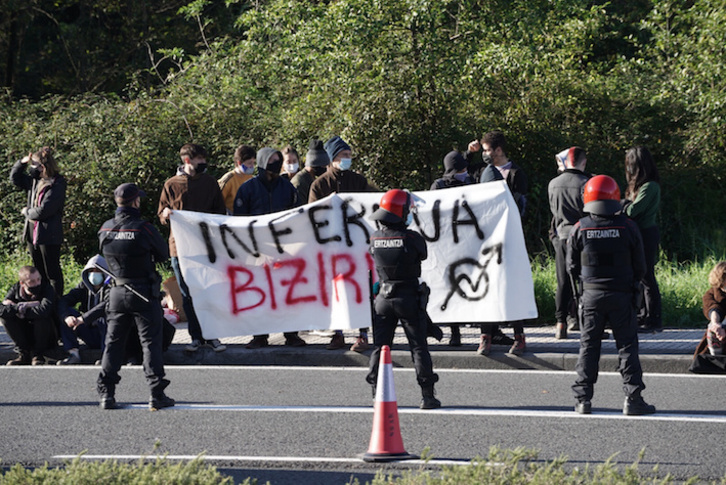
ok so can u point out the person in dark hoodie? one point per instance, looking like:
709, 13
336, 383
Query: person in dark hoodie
194, 190
316, 163
266, 193
89, 321
456, 174
43, 231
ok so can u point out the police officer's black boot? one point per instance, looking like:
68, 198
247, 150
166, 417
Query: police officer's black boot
429, 401
108, 399
635, 405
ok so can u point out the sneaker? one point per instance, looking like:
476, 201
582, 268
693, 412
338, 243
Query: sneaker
485, 345
108, 402
70, 360
573, 324
21, 359
560, 331
216, 345
499, 338
519, 345
161, 402
636, 406
194, 346
257, 343
360, 345
583, 407
295, 341
337, 342
38, 360
714, 344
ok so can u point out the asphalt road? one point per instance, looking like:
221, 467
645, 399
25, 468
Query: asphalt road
309, 425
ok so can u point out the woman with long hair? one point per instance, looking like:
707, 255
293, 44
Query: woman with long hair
38, 174
643, 191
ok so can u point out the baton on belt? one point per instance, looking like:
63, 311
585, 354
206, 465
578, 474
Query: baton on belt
113, 276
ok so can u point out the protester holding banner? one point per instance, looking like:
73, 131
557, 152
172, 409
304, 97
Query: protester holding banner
455, 175
337, 179
316, 163
268, 192
494, 145
565, 197
398, 252
244, 169
193, 190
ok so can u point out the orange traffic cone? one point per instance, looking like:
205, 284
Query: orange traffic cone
386, 442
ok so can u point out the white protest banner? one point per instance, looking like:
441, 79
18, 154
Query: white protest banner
308, 268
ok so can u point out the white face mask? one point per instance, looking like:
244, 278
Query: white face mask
245, 170
95, 278
291, 168
345, 163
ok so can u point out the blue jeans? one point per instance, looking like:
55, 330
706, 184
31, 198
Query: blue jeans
195, 330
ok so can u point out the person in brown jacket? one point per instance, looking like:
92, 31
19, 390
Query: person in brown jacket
191, 189
339, 178
714, 308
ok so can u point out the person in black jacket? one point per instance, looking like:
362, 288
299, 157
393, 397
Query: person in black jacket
89, 321
397, 253
43, 230
132, 248
605, 255
27, 315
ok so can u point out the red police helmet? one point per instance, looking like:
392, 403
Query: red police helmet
602, 196
395, 206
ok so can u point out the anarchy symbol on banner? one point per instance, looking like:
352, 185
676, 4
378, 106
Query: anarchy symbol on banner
474, 273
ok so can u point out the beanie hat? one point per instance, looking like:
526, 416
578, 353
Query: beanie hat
317, 156
454, 162
334, 146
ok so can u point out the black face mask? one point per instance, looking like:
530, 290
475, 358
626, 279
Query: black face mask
34, 290
201, 168
274, 167
34, 172
318, 171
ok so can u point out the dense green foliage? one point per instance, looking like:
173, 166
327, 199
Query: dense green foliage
403, 81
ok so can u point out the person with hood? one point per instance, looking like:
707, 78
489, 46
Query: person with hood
89, 321
266, 193
316, 163
565, 197
456, 174
43, 231
340, 178
194, 190
27, 314
244, 169
605, 256
397, 252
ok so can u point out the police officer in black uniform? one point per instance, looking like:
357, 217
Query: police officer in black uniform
132, 247
398, 252
605, 254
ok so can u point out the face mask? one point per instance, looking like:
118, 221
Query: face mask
95, 278
34, 290
318, 171
345, 163
460, 176
201, 168
34, 172
291, 167
244, 169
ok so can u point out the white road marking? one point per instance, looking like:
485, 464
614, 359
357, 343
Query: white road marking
451, 411
279, 459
